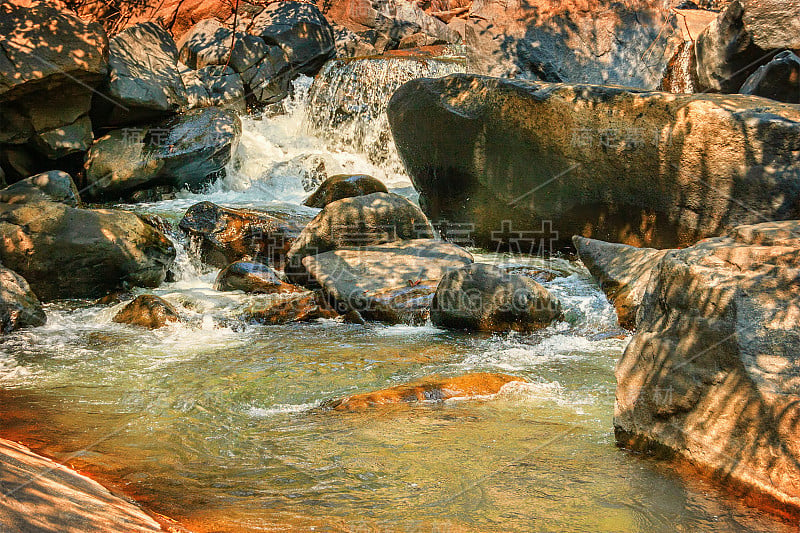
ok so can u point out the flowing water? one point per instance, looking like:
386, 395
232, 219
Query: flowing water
216, 423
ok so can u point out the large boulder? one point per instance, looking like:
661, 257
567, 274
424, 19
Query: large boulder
50, 62
530, 163
65, 252
209, 42
779, 79
147, 311
622, 272
223, 235
392, 282
431, 389
344, 186
19, 306
54, 186
185, 151
360, 221
744, 36
301, 30
624, 43
711, 374
144, 81
224, 86
483, 297
268, 80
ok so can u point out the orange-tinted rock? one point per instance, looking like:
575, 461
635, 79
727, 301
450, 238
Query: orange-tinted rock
429, 389
300, 307
249, 276
148, 311
227, 235
344, 186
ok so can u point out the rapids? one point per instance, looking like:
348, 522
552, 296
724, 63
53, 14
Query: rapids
215, 422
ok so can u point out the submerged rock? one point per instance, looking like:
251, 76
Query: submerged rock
64, 252
144, 82
249, 276
224, 235
711, 374
19, 307
361, 221
50, 63
622, 271
344, 186
185, 151
530, 164
300, 30
148, 311
429, 389
392, 282
483, 297
779, 79
54, 186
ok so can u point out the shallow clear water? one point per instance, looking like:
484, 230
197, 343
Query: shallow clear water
216, 423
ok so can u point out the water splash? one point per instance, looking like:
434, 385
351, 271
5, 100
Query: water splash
678, 77
347, 103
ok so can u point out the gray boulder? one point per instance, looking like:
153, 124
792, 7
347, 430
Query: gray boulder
65, 252
268, 80
744, 37
300, 30
54, 186
622, 272
344, 186
711, 375
361, 221
49, 66
144, 81
19, 306
224, 86
209, 43
779, 79
483, 297
392, 282
187, 150
530, 164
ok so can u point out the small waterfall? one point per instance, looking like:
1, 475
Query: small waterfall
678, 76
347, 102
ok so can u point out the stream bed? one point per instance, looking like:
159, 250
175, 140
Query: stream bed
217, 423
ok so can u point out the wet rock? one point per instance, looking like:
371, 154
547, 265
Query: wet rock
268, 80
742, 38
530, 164
65, 252
19, 306
51, 498
622, 272
484, 298
224, 235
185, 151
361, 221
779, 79
344, 186
224, 86
209, 43
54, 186
148, 311
621, 43
249, 276
392, 282
50, 62
300, 30
434, 388
711, 373
144, 81
679, 76
285, 308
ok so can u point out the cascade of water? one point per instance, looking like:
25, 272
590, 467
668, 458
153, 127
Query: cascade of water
348, 100
678, 77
